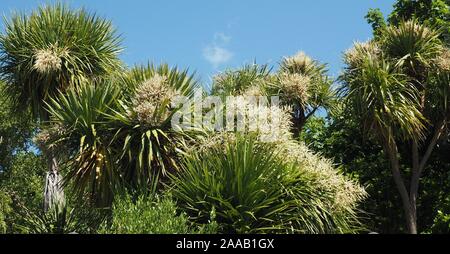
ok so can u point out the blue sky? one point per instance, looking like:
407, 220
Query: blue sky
210, 36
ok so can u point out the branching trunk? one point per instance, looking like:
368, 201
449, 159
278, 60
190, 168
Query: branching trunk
418, 164
408, 207
299, 120
439, 130
409, 199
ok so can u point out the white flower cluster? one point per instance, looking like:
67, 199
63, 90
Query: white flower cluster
271, 123
47, 61
345, 191
443, 61
355, 56
298, 63
151, 101
295, 86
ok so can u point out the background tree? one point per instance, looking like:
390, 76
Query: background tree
340, 137
22, 185
21, 167
15, 131
47, 52
433, 13
376, 19
301, 82
400, 93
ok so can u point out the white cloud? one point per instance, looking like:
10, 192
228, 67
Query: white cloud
216, 52
217, 55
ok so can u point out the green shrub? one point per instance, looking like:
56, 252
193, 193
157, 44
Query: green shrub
5, 209
254, 190
441, 223
21, 183
150, 215
61, 220
24, 179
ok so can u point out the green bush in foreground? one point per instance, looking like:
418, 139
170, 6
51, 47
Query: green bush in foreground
253, 190
150, 215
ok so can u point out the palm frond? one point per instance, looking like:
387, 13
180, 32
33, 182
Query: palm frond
413, 46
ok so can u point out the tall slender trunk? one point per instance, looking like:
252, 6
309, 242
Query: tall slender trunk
391, 151
415, 178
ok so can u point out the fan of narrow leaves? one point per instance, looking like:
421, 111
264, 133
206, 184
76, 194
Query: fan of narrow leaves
412, 45
253, 189
53, 48
385, 98
390, 81
85, 142
233, 82
142, 126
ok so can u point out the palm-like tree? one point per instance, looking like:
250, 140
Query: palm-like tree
83, 141
49, 51
118, 133
148, 142
401, 94
303, 83
234, 82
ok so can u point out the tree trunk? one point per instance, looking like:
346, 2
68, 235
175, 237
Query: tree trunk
297, 127
299, 119
418, 165
411, 221
409, 207
53, 191
415, 178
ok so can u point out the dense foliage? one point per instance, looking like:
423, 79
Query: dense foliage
108, 130
151, 215
61, 220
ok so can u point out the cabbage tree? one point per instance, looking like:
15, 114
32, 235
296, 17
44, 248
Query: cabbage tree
399, 86
49, 51
117, 134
